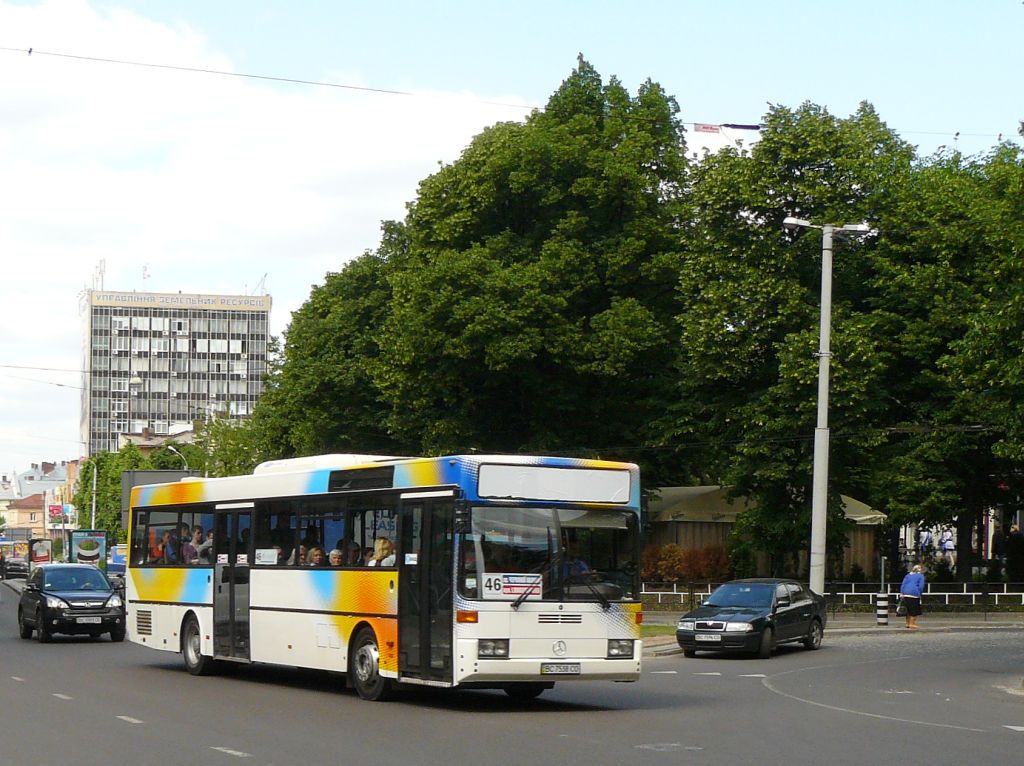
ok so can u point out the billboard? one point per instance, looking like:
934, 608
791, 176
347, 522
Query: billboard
40, 552
89, 546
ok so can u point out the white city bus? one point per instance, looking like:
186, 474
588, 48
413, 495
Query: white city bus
508, 572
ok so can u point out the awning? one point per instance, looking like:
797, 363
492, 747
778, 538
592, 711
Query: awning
712, 503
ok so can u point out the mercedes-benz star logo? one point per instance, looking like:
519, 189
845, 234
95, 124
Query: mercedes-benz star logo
558, 648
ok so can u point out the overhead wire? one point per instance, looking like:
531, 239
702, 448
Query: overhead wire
406, 93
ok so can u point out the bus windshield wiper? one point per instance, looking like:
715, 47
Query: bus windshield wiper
550, 558
605, 603
529, 588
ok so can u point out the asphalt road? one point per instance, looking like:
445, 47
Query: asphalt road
908, 698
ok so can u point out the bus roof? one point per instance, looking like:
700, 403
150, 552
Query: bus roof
496, 478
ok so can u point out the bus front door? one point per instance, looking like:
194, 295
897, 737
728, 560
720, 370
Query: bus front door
231, 576
425, 587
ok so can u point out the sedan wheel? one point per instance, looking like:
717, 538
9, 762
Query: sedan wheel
767, 644
814, 636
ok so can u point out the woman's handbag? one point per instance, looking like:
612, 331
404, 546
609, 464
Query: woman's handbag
901, 609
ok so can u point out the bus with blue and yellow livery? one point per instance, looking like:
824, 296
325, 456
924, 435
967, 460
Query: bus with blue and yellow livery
479, 571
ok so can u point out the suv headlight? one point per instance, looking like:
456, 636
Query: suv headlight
738, 627
57, 603
686, 625
114, 602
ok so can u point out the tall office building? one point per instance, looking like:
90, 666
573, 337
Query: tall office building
157, 362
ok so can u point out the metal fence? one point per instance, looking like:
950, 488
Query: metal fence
852, 594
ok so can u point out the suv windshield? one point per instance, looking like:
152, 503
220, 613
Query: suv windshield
534, 554
75, 579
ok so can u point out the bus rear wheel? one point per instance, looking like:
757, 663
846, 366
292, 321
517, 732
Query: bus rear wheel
364, 667
196, 662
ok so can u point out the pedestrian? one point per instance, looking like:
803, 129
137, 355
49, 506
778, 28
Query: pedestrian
911, 590
948, 546
924, 542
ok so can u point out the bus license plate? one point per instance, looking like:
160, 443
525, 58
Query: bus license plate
559, 668
708, 637
88, 620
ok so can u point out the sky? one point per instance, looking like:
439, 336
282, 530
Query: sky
153, 178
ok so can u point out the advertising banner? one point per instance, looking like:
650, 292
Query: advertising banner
41, 552
89, 546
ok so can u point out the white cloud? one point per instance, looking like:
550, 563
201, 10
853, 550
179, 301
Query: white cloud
208, 181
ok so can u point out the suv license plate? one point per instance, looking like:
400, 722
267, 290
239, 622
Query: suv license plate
88, 620
559, 668
709, 637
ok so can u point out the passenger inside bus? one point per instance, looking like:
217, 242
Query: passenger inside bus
316, 557
383, 553
334, 558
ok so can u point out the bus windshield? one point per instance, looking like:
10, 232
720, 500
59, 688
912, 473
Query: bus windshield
519, 553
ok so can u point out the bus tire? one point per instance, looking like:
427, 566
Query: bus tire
525, 692
196, 662
364, 667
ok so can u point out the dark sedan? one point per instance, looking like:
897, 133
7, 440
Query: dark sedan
754, 616
70, 598
14, 566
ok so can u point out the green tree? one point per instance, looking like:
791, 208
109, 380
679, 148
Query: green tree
532, 306
750, 296
107, 467
320, 395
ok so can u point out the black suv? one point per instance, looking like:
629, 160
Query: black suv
70, 598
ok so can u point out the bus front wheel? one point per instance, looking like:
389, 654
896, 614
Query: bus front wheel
196, 662
364, 667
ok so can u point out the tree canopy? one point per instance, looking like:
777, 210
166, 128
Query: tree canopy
573, 284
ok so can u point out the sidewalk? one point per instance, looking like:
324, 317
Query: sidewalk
860, 623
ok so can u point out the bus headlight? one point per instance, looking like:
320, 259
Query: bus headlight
619, 648
492, 647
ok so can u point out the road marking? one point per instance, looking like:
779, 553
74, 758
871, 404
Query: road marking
666, 747
898, 691
63, 697
664, 672
768, 685
1013, 728
229, 751
707, 674
753, 675
129, 719
19, 680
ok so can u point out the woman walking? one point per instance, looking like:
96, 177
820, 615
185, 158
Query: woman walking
911, 590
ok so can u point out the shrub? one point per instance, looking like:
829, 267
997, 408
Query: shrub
857, 573
649, 558
671, 563
941, 572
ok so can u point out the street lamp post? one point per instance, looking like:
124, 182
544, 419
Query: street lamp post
819, 483
170, 448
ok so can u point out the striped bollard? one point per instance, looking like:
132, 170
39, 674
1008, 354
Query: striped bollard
882, 609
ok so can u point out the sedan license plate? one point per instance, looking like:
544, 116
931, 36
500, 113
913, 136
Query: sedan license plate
708, 637
559, 668
88, 620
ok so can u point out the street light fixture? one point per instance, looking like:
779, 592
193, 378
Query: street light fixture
819, 486
171, 448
